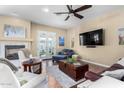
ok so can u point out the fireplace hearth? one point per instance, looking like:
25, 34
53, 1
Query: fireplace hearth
11, 51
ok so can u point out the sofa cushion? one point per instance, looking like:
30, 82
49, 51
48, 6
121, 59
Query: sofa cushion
35, 81
68, 52
7, 77
59, 57
118, 74
29, 80
107, 82
62, 56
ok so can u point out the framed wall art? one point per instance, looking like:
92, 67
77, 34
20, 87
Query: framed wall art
121, 36
14, 31
72, 43
61, 41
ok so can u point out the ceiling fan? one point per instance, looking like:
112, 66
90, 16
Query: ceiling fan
74, 11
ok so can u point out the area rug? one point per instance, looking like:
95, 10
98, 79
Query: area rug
64, 80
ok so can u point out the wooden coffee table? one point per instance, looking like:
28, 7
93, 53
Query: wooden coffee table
31, 63
76, 71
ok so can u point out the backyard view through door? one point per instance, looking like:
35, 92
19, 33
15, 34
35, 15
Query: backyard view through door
46, 43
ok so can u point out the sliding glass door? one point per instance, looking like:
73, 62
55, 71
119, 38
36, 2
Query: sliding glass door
46, 43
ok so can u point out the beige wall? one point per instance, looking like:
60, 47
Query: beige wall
36, 27
111, 51
107, 54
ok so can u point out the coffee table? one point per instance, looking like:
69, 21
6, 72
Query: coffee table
75, 70
31, 63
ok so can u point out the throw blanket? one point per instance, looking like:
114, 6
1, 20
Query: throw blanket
7, 62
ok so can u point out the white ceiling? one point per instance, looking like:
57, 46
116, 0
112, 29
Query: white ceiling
36, 14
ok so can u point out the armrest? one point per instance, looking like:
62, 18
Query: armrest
92, 76
117, 66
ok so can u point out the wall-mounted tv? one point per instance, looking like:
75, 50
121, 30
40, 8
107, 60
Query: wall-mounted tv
95, 37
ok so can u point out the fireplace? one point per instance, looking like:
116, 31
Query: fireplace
11, 51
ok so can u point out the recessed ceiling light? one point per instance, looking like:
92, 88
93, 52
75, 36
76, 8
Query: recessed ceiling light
45, 9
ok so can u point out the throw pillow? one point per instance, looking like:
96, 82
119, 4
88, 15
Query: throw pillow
122, 79
23, 82
121, 62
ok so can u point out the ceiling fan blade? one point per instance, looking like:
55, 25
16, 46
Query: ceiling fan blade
69, 8
67, 18
78, 16
82, 8
59, 13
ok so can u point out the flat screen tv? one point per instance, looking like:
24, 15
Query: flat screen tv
92, 38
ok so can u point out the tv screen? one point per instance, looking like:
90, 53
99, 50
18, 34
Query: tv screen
92, 38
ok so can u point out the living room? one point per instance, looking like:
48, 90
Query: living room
51, 39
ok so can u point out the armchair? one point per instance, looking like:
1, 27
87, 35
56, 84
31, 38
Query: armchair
25, 55
22, 57
64, 54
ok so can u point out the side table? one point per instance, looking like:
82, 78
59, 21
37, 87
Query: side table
28, 64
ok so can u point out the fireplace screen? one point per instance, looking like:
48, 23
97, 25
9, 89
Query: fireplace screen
11, 51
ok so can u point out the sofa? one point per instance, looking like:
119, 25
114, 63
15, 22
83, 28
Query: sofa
13, 77
64, 54
103, 82
95, 76
112, 77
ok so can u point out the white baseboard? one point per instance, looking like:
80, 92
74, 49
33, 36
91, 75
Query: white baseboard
91, 62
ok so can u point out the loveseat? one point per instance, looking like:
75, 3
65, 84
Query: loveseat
64, 54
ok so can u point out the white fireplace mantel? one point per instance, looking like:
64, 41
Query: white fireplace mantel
3, 43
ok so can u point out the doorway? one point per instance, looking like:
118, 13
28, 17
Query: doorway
46, 43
